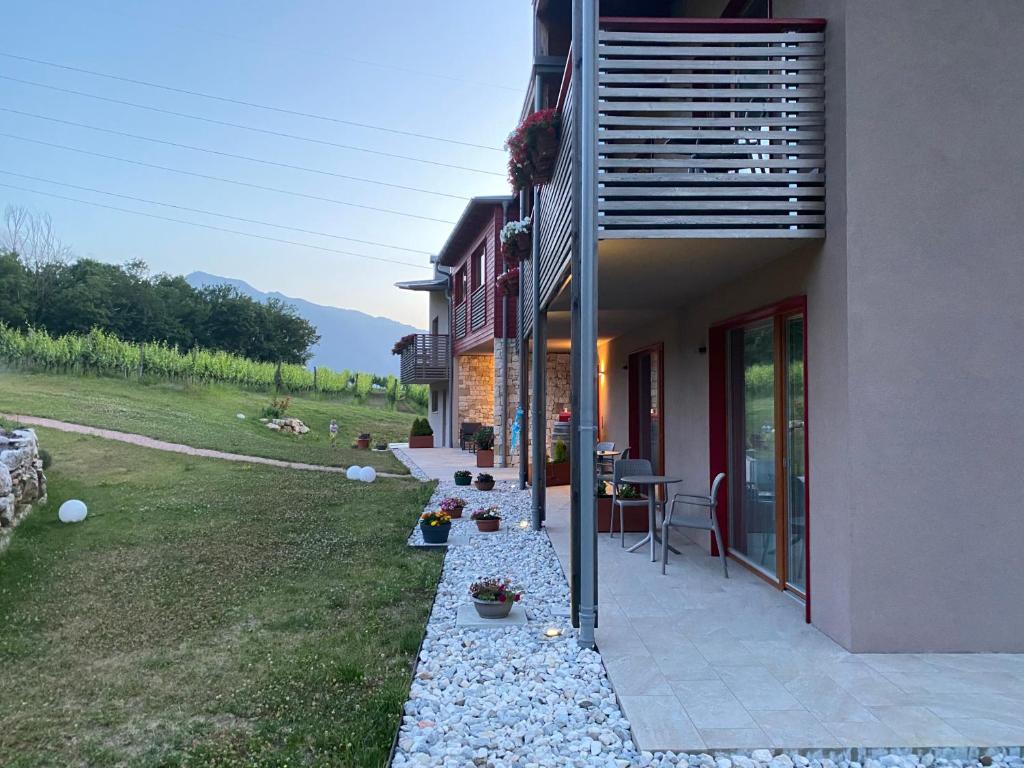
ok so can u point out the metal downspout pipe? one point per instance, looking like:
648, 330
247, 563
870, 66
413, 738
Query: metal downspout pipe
524, 392
586, 60
504, 355
538, 442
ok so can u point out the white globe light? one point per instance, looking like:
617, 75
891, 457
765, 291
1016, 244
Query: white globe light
368, 474
73, 511
353, 472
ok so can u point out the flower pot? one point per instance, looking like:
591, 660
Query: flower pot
463, 480
362, 444
484, 485
485, 458
557, 473
488, 526
421, 441
491, 609
635, 517
435, 534
519, 248
456, 513
543, 157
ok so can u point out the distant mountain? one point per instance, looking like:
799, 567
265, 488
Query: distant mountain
348, 338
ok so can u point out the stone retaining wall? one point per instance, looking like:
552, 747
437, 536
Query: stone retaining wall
22, 482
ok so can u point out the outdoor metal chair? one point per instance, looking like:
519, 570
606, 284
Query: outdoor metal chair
604, 465
707, 520
467, 434
624, 468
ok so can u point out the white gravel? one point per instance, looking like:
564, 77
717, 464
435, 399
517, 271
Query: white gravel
511, 696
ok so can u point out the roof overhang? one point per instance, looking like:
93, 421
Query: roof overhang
467, 228
433, 284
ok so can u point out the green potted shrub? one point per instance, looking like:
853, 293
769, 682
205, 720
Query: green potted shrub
557, 470
484, 482
421, 435
363, 441
435, 527
493, 598
463, 477
453, 506
487, 520
484, 447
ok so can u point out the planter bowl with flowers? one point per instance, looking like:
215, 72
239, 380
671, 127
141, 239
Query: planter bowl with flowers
516, 241
484, 440
493, 598
533, 149
363, 441
435, 527
484, 482
463, 477
453, 506
487, 520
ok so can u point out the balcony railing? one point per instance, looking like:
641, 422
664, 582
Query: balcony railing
459, 320
478, 308
708, 129
425, 359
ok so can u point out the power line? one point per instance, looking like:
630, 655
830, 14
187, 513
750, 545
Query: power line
334, 56
212, 213
219, 153
339, 121
343, 146
236, 182
211, 227
201, 118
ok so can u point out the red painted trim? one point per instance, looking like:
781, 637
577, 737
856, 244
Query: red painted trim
640, 24
786, 306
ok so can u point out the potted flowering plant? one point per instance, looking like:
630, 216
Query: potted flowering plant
363, 441
493, 598
515, 240
453, 506
487, 520
533, 149
435, 527
463, 477
484, 482
484, 439
508, 281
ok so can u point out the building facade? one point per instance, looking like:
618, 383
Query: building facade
808, 276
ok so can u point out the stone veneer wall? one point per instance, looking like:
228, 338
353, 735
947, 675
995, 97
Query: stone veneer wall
503, 422
476, 390
22, 482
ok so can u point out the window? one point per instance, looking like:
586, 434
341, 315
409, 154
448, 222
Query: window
478, 267
460, 286
434, 326
433, 401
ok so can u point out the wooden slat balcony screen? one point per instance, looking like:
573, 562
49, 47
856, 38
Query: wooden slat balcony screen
425, 360
556, 208
711, 134
478, 308
460, 320
525, 324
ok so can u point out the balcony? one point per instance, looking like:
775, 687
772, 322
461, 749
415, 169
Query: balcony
425, 358
711, 128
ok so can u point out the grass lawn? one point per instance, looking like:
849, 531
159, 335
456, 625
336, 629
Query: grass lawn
205, 416
208, 613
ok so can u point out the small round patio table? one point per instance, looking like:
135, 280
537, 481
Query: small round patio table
651, 482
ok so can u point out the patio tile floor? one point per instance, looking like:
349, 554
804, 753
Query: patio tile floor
701, 662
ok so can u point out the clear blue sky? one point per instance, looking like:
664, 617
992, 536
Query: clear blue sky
298, 55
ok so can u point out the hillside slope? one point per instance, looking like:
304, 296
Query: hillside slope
348, 338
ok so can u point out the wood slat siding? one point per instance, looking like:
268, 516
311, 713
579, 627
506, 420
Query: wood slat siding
478, 308
556, 209
526, 287
706, 134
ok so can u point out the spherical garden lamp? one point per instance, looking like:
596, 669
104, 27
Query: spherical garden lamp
353, 472
73, 511
368, 474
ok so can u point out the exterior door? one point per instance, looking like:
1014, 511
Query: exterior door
765, 442
646, 398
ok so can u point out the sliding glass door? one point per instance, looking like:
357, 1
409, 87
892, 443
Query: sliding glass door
766, 447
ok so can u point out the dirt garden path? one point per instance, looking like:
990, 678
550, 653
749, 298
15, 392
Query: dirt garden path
161, 445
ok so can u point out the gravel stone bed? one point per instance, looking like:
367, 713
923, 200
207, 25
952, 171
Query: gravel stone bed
511, 696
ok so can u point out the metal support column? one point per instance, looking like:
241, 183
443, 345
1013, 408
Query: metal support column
585, 66
538, 441
524, 350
